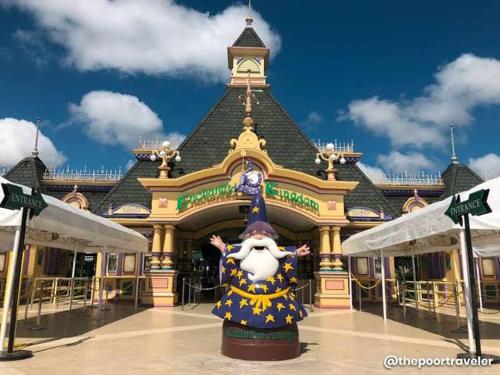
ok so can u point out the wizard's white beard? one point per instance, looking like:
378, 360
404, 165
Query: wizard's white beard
260, 264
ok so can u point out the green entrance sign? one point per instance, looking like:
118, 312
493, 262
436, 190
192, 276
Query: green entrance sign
15, 199
292, 197
476, 205
219, 192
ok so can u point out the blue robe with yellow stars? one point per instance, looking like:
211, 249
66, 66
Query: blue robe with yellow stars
260, 304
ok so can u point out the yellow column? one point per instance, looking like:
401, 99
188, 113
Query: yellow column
455, 269
31, 261
168, 248
336, 249
324, 250
156, 249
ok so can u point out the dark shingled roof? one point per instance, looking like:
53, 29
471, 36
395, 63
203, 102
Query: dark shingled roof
208, 145
249, 38
28, 172
397, 202
458, 178
129, 189
366, 193
94, 197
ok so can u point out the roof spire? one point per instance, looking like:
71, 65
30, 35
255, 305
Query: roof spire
249, 18
35, 149
454, 158
249, 96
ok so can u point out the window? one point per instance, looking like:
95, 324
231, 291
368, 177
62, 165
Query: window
3, 261
488, 267
362, 266
377, 266
147, 263
112, 263
129, 263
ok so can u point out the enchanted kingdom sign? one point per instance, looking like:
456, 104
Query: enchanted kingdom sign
226, 191
272, 191
188, 200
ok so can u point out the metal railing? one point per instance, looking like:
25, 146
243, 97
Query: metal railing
490, 291
409, 179
370, 289
193, 286
343, 147
68, 174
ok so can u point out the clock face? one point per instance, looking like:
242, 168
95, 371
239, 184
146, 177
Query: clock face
254, 178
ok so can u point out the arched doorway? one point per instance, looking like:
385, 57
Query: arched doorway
198, 261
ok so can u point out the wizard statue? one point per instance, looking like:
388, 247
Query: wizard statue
259, 307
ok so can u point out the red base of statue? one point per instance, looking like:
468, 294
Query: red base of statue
254, 344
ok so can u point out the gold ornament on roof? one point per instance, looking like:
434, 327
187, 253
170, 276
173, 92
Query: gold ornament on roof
165, 154
330, 155
247, 138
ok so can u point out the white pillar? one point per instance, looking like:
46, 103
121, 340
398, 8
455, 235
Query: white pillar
74, 265
8, 288
414, 276
350, 279
72, 287
382, 269
137, 273
478, 278
104, 261
467, 291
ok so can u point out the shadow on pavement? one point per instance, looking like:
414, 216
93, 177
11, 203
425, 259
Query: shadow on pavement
64, 324
439, 323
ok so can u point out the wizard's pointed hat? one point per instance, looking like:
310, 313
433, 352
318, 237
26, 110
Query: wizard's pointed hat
257, 219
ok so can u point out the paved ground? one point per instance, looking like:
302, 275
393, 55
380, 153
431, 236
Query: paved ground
160, 341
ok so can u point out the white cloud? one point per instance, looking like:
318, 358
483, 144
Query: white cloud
461, 86
113, 118
144, 36
397, 163
373, 173
175, 139
487, 165
17, 139
387, 118
413, 162
314, 118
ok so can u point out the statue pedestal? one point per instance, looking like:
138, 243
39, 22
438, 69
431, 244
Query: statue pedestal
333, 290
254, 344
160, 289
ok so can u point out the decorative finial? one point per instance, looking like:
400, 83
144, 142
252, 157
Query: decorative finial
249, 19
249, 96
247, 139
454, 158
35, 149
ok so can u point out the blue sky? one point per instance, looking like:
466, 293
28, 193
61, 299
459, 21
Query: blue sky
390, 75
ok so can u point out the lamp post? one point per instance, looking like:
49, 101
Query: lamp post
330, 156
166, 154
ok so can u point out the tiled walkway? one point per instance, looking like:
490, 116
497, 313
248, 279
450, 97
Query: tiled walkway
161, 341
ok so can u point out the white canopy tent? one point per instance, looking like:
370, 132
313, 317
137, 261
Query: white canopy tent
63, 226
430, 230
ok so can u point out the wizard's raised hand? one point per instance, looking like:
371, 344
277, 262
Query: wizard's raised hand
218, 243
303, 251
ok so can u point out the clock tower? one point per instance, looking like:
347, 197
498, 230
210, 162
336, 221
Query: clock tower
248, 58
